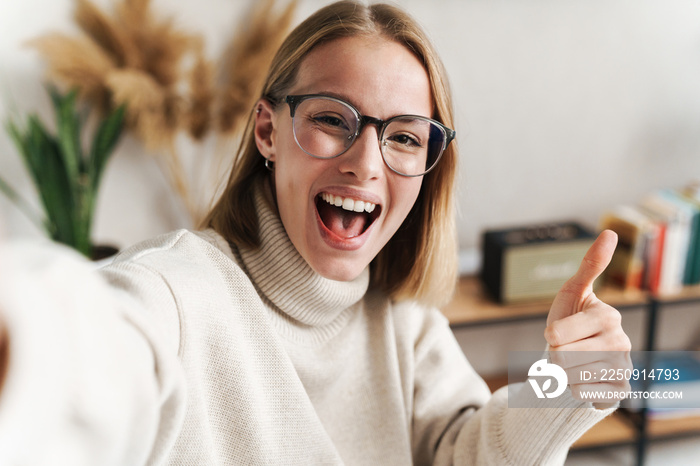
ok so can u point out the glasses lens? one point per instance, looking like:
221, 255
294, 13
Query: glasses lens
412, 145
324, 127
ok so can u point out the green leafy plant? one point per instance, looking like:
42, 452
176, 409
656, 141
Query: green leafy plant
66, 177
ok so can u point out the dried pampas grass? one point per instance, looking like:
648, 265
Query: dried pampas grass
155, 114
153, 111
201, 95
106, 33
247, 58
78, 62
160, 72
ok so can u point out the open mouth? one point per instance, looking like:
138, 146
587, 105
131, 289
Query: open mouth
346, 217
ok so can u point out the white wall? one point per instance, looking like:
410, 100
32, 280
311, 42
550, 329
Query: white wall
569, 107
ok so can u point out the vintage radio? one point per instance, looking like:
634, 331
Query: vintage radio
532, 262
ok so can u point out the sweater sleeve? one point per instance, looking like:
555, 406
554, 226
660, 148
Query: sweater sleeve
89, 380
457, 421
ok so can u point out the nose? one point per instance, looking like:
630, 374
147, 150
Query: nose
364, 158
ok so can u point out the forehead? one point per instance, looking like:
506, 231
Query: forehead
379, 76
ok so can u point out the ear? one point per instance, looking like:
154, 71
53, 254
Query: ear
265, 129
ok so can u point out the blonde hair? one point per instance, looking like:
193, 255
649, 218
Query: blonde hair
420, 260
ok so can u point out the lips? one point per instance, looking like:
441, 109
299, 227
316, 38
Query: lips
346, 218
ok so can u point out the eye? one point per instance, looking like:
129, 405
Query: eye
404, 140
330, 121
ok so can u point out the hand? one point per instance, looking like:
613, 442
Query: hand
580, 322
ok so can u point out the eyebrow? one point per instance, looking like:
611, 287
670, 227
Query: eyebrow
343, 97
347, 99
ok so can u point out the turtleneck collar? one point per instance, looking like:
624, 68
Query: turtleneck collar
287, 281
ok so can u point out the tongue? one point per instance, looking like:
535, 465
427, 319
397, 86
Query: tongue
343, 223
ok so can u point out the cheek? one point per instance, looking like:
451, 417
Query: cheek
289, 196
293, 178
405, 194
293, 184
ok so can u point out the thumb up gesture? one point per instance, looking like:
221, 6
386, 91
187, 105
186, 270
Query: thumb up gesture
579, 321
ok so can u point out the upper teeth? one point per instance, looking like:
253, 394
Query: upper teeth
348, 203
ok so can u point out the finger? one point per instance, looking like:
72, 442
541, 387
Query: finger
597, 360
606, 340
595, 317
586, 345
571, 329
572, 296
593, 264
573, 359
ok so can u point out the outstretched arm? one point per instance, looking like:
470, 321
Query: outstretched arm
86, 378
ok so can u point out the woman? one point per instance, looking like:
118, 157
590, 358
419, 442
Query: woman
298, 328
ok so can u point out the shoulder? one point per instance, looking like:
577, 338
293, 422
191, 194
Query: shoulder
177, 246
180, 263
175, 275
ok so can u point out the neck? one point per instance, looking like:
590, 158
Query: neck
286, 281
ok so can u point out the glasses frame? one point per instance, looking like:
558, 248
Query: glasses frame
363, 120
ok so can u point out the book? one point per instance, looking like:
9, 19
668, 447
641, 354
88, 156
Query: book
674, 250
690, 213
653, 252
633, 228
691, 193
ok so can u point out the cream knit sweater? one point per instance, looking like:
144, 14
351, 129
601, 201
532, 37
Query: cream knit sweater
186, 351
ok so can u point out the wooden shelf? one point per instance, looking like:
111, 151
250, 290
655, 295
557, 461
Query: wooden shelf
660, 428
472, 305
618, 429
687, 293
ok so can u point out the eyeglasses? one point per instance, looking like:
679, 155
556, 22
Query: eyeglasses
325, 127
